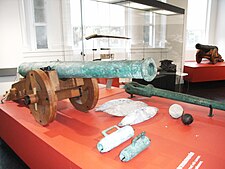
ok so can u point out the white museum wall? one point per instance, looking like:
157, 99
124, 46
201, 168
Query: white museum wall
10, 33
212, 20
10, 41
215, 34
220, 28
58, 26
16, 37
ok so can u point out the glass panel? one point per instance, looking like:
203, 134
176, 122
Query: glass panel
151, 35
101, 18
148, 28
76, 23
196, 23
39, 15
41, 37
38, 3
161, 38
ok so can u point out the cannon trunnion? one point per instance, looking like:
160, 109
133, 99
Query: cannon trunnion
41, 89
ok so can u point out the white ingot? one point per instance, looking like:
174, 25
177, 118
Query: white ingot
139, 115
176, 111
114, 139
125, 108
112, 103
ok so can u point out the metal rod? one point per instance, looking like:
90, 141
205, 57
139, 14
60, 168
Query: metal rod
150, 90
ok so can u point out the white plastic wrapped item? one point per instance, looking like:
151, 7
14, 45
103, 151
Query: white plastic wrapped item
125, 108
114, 139
112, 103
139, 115
176, 111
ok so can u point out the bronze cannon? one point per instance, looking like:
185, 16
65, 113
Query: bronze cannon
45, 83
150, 90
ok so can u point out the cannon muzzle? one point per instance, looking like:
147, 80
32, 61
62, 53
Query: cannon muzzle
140, 69
205, 48
150, 90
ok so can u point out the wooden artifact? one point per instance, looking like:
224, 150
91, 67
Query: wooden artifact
105, 36
208, 52
41, 89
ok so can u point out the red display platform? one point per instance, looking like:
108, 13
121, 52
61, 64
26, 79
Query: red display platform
204, 71
70, 141
115, 81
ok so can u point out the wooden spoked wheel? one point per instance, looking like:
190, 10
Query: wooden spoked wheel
40, 96
89, 95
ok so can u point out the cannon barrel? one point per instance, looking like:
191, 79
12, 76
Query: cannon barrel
205, 47
150, 90
143, 69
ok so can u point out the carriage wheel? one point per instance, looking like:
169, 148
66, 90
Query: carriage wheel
89, 95
40, 97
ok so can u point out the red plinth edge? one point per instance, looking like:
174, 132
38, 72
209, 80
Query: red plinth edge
70, 141
204, 71
115, 81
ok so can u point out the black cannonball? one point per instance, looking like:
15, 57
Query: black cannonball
187, 119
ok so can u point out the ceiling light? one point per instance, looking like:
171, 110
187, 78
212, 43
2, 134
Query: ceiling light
135, 5
164, 12
148, 5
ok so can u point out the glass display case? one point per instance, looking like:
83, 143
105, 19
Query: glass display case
131, 30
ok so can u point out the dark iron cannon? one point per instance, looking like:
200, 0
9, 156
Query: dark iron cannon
209, 52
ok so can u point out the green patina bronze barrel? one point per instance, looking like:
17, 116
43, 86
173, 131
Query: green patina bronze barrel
150, 90
140, 69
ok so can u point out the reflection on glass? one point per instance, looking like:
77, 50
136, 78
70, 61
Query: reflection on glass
41, 37
39, 15
38, 3
196, 23
39, 11
151, 34
101, 18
